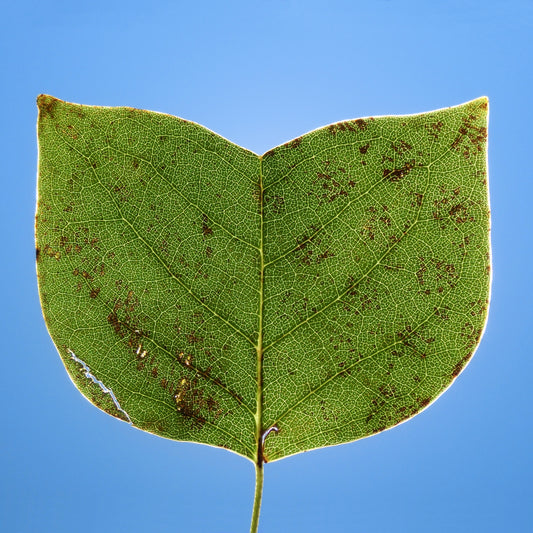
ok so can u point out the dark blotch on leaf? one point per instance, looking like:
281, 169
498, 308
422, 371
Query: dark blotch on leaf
460, 365
192, 338
295, 143
276, 203
47, 105
423, 402
191, 402
401, 147
364, 149
361, 123
434, 129
398, 173
206, 229
112, 318
470, 137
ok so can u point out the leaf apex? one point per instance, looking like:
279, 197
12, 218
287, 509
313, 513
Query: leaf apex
483, 103
484, 100
47, 105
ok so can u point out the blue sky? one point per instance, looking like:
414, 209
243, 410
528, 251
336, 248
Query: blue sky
261, 73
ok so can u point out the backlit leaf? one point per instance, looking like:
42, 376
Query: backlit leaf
327, 290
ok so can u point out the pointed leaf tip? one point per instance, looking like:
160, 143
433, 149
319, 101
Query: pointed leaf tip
47, 105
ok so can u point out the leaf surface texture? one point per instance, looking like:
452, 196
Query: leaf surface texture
331, 288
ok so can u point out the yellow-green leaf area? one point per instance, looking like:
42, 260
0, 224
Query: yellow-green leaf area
330, 289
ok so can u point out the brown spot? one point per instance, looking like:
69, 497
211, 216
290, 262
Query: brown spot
460, 213
441, 313
364, 149
398, 173
434, 129
460, 365
47, 105
477, 135
122, 192
37, 253
295, 143
125, 323
70, 132
388, 391
192, 403
323, 256
450, 269
112, 318
401, 147
257, 196
303, 250
206, 230
193, 339
94, 292
186, 360
420, 271
361, 123
276, 203
423, 402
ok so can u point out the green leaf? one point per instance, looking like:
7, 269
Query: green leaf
320, 293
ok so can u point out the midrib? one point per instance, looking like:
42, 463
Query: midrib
259, 346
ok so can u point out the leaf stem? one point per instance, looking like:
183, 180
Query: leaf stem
258, 495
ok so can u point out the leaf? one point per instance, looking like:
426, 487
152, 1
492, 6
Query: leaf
323, 292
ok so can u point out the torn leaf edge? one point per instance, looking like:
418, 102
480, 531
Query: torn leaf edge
95, 380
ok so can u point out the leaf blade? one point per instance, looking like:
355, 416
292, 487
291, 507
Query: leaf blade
343, 351
218, 294
155, 328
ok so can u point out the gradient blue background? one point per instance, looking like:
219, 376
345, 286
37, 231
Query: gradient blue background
261, 73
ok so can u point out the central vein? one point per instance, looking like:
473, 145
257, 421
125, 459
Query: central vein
259, 346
